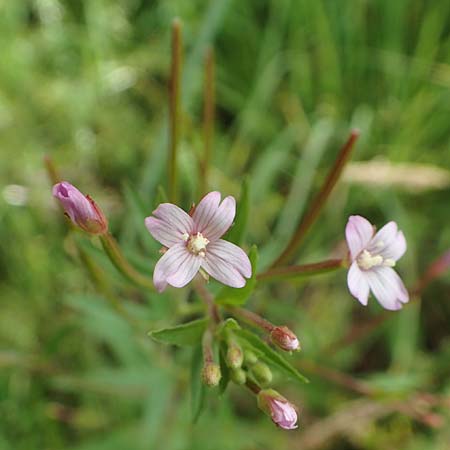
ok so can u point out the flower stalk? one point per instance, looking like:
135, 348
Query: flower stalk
211, 373
213, 311
304, 270
116, 256
174, 107
319, 201
208, 119
251, 318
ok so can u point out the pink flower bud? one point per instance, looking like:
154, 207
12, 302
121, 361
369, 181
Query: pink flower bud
80, 208
284, 338
282, 413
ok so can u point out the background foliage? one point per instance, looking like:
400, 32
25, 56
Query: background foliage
85, 81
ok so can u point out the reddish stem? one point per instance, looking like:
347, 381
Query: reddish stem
304, 269
319, 201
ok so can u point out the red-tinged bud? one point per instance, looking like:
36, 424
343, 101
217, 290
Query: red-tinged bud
284, 338
80, 208
281, 411
211, 374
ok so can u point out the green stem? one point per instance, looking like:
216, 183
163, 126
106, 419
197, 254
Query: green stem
208, 120
304, 270
115, 255
174, 108
52, 171
98, 278
207, 347
251, 318
207, 297
319, 201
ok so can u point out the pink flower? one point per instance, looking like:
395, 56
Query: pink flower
373, 257
80, 208
194, 243
282, 413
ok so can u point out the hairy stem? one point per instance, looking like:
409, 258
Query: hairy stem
174, 108
252, 386
208, 119
251, 318
319, 201
116, 256
206, 296
305, 270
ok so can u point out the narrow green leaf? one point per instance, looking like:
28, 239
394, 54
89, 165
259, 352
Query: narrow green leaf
237, 232
223, 369
269, 355
233, 296
197, 387
186, 334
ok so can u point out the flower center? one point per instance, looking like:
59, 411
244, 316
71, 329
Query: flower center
366, 260
196, 243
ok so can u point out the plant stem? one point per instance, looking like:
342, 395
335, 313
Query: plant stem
252, 386
98, 278
207, 347
207, 297
319, 201
208, 119
116, 256
302, 270
174, 108
251, 318
52, 171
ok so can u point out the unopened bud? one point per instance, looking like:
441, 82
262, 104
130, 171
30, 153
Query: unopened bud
238, 376
250, 358
262, 373
284, 338
281, 411
80, 208
235, 356
211, 374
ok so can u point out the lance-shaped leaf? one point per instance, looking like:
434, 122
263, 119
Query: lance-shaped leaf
269, 355
197, 387
186, 334
223, 369
233, 296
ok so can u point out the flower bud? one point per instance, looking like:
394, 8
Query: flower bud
262, 373
80, 208
282, 413
235, 356
250, 358
238, 376
211, 374
284, 338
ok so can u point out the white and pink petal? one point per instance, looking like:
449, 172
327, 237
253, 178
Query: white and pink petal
227, 263
173, 266
213, 218
358, 232
358, 284
387, 287
169, 224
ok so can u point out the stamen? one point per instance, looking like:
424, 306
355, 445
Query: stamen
366, 260
388, 262
196, 244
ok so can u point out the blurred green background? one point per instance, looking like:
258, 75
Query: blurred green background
86, 82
